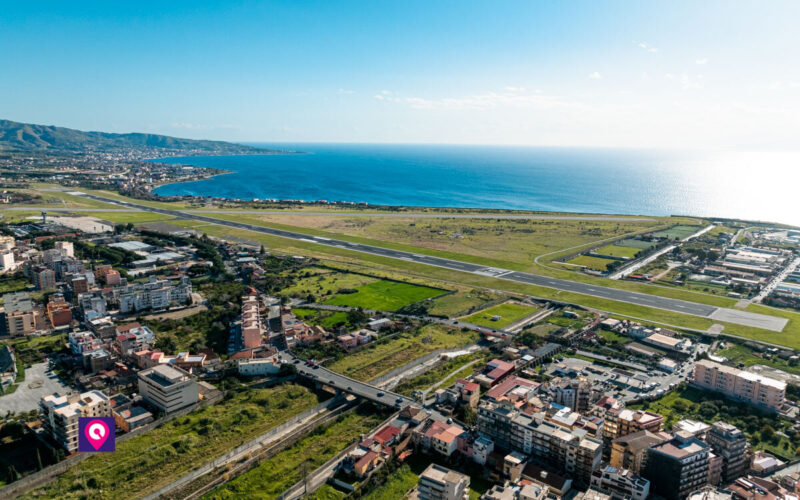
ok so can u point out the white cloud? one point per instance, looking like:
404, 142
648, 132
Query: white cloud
646, 46
515, 89
346, 91
701, 61
686, 82
596, 76
492, 100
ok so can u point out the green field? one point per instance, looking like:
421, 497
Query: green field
277, 474
384, 296
396, 486
630, 242
461, 302
326, 319
596, 263
31, 350
678, 232
612, 337
508, 313
384, 356
327, 492
618, 251
440, 372
324, 282
145, 463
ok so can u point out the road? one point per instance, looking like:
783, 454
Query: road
346, 384
637, 298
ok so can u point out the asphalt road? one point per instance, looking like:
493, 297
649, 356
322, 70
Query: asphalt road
346, 384
642, 299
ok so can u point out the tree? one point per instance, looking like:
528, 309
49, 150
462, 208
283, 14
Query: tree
166, 344
356, 316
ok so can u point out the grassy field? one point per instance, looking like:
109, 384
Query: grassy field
619, 251
323, 282
633, 243
31, 350
596, 263
741, 354
542, 329
327, 492
441, 371
126, 217
709, 407
384, 356
275, 475
610, 336
326, 319
147, 462
678, 232
9, 284
396, 485
384, 296
789, 337
508, 313
461, 302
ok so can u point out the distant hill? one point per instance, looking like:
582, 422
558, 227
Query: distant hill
16, 136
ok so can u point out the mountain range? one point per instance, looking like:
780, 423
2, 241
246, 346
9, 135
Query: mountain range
28, 137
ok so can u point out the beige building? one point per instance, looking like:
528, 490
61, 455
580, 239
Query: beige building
168, 388
22, 317
440, 483
756, 389
60, 415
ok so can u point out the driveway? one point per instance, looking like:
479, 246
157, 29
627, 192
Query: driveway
38, 382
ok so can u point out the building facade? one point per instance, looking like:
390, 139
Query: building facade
756, 389
167, 388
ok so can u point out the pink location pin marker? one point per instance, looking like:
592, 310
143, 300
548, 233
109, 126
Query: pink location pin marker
97, 433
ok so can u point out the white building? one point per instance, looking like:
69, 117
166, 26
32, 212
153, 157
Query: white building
168, 388
440, 483
60, 415
7, 262
621, 484
66, 248
260, 366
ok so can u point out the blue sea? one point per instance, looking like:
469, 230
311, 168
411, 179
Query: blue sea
749, 185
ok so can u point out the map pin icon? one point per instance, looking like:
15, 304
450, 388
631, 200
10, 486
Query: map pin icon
97, 433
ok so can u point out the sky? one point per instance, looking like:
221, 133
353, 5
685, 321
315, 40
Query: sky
660, 74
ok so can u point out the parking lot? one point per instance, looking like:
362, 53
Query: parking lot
624, 385
39, 381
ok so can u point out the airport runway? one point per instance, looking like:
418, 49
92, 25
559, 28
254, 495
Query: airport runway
642, 299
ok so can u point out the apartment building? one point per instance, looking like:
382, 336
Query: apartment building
574, 393
440, 483
729, 443
167, 388
678, 467
60, 415
156, 294
620, 484
7, 262
571, 450
44, 278
58, 311
629, 452
65, 248
22, 317
757, 390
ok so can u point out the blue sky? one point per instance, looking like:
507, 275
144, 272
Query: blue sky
647, 74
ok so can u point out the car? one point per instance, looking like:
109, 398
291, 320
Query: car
381, 394
398, 400
296, 361
316, 366
333, 381
349, 388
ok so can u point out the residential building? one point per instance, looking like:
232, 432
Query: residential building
756, 389
500, 493
618, 422
252, 325
58, 311
167, 388
468, 392
438, 436
156, 294
66, 248
694, 427
258, 366
60, 415
44, 278
440, 483
7, 242
496, 370
8, 367
571, 450
132, 418
678, 467
22, 318
621, 484
134, 338
629, 452
534, 490
7, 262
574, 393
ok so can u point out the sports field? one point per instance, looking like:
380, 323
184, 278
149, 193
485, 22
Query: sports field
506, 314
618, 251
596, 263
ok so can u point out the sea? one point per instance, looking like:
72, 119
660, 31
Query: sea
750, 185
